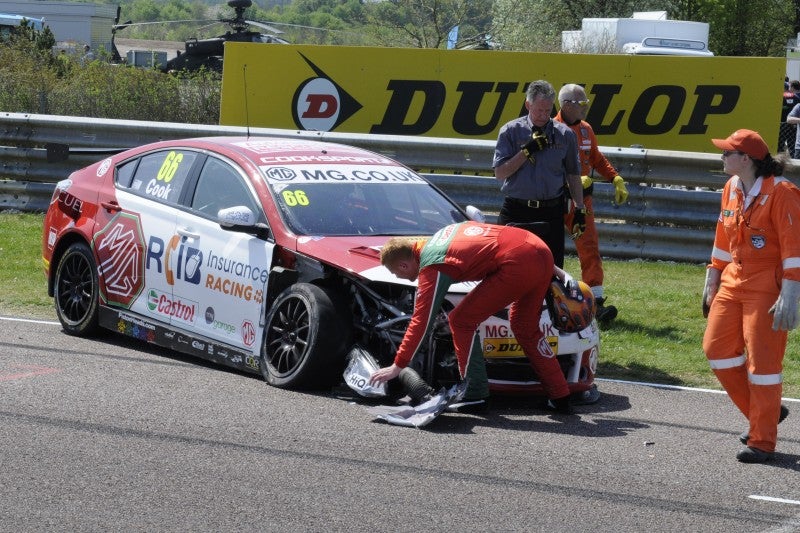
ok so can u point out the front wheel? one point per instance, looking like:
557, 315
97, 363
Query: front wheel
305, 338
76, 291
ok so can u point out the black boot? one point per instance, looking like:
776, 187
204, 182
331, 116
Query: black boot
604, 313
744, 437
560, 406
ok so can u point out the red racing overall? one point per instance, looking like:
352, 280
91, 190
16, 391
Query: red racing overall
757, 245
514, 268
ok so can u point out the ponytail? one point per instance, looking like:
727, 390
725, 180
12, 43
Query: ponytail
773, 166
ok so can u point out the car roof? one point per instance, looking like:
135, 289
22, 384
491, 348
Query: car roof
263, 150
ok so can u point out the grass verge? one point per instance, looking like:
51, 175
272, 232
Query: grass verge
656, 337
23, 288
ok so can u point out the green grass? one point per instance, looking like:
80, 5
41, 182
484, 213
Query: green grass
656, 337
23, 287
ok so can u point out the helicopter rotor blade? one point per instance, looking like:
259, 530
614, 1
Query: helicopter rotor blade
127, 24
210, 24
301, 26
267, 27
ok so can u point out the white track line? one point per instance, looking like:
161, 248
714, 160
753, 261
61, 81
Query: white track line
31, 320
674, 387
772, 499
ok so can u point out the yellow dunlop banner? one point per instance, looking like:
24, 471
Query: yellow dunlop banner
659, 102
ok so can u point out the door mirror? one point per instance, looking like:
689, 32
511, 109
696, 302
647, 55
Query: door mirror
238, 215
475, 214
241, 219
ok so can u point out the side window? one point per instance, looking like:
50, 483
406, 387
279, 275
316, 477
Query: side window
125, 173
220, 186
161, 175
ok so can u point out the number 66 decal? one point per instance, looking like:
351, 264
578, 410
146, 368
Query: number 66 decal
293, 198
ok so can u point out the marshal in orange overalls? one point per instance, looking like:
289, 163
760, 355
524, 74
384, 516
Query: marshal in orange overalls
757, 245
588, 245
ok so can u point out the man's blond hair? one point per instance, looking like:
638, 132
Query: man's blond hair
397, 249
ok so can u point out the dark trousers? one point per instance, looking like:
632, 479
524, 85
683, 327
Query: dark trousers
546, 222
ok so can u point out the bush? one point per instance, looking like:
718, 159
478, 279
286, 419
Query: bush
33, 80
25, 81
116, 91
27, 69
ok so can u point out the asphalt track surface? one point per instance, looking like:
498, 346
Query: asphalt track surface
113, 435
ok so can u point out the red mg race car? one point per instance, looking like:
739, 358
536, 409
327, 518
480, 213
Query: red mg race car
262, 254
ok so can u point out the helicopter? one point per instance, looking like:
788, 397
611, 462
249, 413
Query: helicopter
208, 53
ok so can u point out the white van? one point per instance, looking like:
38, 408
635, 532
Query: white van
646, 33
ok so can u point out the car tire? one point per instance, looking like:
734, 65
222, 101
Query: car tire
305, 338
76, 291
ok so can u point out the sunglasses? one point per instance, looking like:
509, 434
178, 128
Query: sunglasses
582, 103
726, 153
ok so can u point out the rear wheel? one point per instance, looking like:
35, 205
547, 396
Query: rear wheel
76, 291
305, 338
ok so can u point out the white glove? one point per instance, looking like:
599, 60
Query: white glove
785, 307
562, 274
710, 289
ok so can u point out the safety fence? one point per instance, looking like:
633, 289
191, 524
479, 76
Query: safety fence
670, 213
787, 135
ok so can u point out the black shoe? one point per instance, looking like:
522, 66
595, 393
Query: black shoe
753, 455
560, 406
744, 437
604, 313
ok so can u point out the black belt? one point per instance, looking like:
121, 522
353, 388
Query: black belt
538, 204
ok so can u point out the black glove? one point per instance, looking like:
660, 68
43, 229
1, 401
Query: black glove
579, 222
538, 142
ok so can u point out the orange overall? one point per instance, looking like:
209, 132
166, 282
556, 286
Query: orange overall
757, 245
587, 245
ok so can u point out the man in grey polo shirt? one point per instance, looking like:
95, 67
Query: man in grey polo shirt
536, 160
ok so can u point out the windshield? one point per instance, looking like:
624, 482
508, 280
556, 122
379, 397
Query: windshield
371, 201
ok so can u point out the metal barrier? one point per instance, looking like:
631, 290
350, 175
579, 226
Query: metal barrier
670, 213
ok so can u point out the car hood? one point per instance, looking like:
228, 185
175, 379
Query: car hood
359, 255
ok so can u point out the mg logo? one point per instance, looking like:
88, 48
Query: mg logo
120, 249
248, 333
281, 174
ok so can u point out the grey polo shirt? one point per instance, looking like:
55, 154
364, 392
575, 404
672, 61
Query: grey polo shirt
546, 178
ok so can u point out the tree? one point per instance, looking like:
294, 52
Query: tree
537, 24
161, 14
426, 23
736, 27
749, 27
318, 21
796, 18
533, 25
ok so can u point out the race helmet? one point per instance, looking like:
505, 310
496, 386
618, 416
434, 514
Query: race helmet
571, 305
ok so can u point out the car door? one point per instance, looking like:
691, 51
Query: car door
235, 266
141, 277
